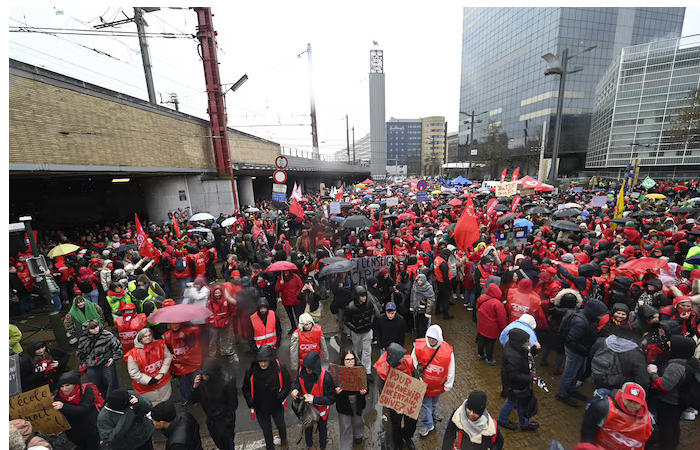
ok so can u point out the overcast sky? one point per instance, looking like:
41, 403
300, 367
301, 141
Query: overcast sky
422, 56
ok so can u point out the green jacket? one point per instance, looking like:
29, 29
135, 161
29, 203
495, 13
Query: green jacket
15, 338
691, 252
126, 430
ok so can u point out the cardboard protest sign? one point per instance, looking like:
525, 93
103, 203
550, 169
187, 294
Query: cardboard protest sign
36, 407
15, 379
506, 189
369, 267
598, 202
517, 235
392, 201
349, 378
402, 393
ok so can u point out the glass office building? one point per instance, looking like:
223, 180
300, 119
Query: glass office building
403, 145
636, 102
503, 70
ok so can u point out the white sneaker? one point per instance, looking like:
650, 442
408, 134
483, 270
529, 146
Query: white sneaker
579, 384
276, 440
687, 415
425, 431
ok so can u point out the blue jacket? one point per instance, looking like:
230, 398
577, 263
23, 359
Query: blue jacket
521, 325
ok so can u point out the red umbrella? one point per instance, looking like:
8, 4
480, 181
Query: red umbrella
679, 188
465, 195
179, 314
455, 202
304, 199
281, 266
645, 264
406, 216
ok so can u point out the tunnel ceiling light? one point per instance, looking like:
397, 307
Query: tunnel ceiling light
121, 180
253, 178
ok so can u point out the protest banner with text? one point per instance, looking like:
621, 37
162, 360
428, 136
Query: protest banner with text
349, 378
402, 393
36, 406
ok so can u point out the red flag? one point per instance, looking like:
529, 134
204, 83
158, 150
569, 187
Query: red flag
491, 206
515, 174
467, 230
516, 202
145, 247
503, 175
295, 208
176, 227
339, 193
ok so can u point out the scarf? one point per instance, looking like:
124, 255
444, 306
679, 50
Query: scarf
73, 397
89, 312
474, 429
424, 291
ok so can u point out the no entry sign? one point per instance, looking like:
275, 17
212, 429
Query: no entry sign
280, 176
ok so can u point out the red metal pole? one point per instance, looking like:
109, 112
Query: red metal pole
216, 109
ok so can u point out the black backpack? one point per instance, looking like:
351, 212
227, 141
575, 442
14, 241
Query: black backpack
180, 265
166, 265
563, 329
691, 384
607, 368
85, 286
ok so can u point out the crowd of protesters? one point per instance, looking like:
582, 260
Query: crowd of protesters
608, 291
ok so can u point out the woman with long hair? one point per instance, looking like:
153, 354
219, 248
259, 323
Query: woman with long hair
350, 405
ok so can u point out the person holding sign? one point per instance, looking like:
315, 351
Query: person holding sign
434, 360
472, 427
350, 405
396, 358
306, 339
318, 389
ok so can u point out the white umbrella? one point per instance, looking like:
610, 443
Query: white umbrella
252, 210
374, 206
228, 222
573, 205
201, 216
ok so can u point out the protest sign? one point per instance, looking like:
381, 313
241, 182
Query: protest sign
517, 235
349, 378
421, 196
506, 189
392, 201
402, 393
598, 202
577, 189
15, 380
36, 407
369, 267
335, 208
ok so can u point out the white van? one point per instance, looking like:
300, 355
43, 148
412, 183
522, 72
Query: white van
489, 183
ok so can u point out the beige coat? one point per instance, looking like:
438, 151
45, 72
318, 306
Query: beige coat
155, 396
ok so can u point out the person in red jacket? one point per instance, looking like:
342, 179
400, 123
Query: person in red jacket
681, 312
221, 331
183, 343
182, 276
128, 325
289, 286
491, 320
524, 300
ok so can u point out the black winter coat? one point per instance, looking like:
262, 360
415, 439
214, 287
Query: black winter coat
583, 327
32, 380
515, 370
266, 389
219, 400
343, 405
388, 331
183, 433
359, 317
82, 419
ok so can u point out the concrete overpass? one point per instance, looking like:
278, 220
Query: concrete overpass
68, 137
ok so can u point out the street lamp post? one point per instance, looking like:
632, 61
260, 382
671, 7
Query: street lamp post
557, 67
473, 115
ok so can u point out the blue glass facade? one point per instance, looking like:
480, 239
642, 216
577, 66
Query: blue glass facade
503, 70
404, 144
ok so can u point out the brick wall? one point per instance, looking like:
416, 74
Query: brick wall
55, 125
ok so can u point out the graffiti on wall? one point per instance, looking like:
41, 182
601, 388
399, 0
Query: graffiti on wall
180, 214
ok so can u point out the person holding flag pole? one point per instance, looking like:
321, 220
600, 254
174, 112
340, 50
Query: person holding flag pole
620, 204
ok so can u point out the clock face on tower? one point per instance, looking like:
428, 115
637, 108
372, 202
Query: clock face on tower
376, 61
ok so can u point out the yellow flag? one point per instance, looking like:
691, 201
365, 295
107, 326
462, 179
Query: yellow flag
620, 205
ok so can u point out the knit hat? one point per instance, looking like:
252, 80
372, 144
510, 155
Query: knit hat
567, 258
528, 319
163, 412
476, 402
200, 280
118, 400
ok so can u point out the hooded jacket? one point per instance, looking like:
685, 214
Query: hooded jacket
96, 349
607, 324
668, 385
313, 362
218, 396
583, 327
633, 365
489, 439
515, 370
360, 317
524, 300
268, 395
435, 332
32, 379
597, 413
124, 427
490, 313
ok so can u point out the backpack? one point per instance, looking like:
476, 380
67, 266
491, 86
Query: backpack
98, 401
166, 265
85, 286
180, 265
691, 384
563, 329
607, 369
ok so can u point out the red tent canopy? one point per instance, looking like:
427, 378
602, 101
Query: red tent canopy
368, 181
529, 183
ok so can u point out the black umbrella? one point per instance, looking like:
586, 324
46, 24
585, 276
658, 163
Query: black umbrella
440, 208
501, 208
567, 212
356, 222
645, 213
623, 220
506, 218
310, 213
684, 210
333, 259
503, 199
565, 225
123, 248
346, 205
337, 267
538, 210
451, 227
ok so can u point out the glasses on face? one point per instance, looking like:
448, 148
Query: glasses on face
350, 359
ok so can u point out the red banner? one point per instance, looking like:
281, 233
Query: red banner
176, 227
467, 229
503, 175
491, 207
516, 202
516, 172
145, 247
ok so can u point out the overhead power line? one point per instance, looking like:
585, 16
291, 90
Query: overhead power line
98, 33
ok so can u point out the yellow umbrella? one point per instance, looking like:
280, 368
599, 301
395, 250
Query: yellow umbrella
655, 196
360, 185
438, 191
62, 249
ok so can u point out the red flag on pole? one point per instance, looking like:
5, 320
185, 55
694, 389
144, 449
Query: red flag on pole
339, 193
467, 230
515, 174
491, 206
516, 202
295, 208
145, 247
503, 175
176, 227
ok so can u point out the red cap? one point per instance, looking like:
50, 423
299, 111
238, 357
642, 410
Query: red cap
168, 302
634, 392
123, 306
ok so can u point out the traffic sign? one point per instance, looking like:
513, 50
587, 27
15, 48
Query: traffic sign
421, 196
422, 185
281, 162
280, 176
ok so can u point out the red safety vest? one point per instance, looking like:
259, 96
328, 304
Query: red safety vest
460, 434
128, 326
222, 316
317, 391
264, 334
622, 431
149, 364
185, 359
383, 367
438, 273
200, 263
252, 391
435, 374
309, 341
519, 303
